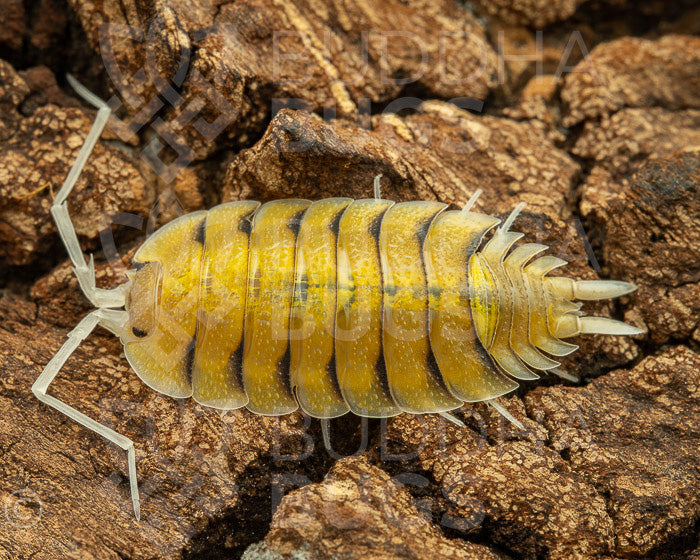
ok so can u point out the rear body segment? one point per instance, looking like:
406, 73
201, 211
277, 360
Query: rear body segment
340, 305
467, 369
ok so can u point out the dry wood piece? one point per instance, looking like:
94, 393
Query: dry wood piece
358, 511
632, 72
441, 152
649, 228
36, 152
242, 58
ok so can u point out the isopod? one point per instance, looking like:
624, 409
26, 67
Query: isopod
364, 306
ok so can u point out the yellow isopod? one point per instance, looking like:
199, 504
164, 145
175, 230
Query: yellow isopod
339, 305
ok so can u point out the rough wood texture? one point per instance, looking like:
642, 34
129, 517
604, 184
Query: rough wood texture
605, 469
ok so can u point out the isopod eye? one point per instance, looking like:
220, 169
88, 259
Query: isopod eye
142, 301
138, 332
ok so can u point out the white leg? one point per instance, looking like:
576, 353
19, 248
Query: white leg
472, 200
564, 375
326, 431
453, 419
85, 271
378, 186
503, 412
75, 337
511, 218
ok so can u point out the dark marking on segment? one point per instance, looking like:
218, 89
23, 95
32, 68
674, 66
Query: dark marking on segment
254, 284
390, 290
294, 223
421, 234
380, 368
422, 231
234, 366
435, 370
139, 265
200, 232
376, 226
352, 288
333, 374
208, 280
374, 229
245, 225
283, 369
334, 226
138, 332
302, 289
189, 358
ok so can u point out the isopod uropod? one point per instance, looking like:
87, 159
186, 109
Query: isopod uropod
333, 306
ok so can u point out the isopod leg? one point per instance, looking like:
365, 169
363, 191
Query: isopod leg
41, 385
503, 412
453, 419
378, 186
511, 218
472, 201
564, 375
326, 431
85, 271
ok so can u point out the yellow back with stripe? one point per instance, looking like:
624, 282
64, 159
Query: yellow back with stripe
338, 305
216, 374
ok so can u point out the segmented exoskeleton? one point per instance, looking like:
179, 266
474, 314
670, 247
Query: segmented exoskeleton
338, 305
367, 306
